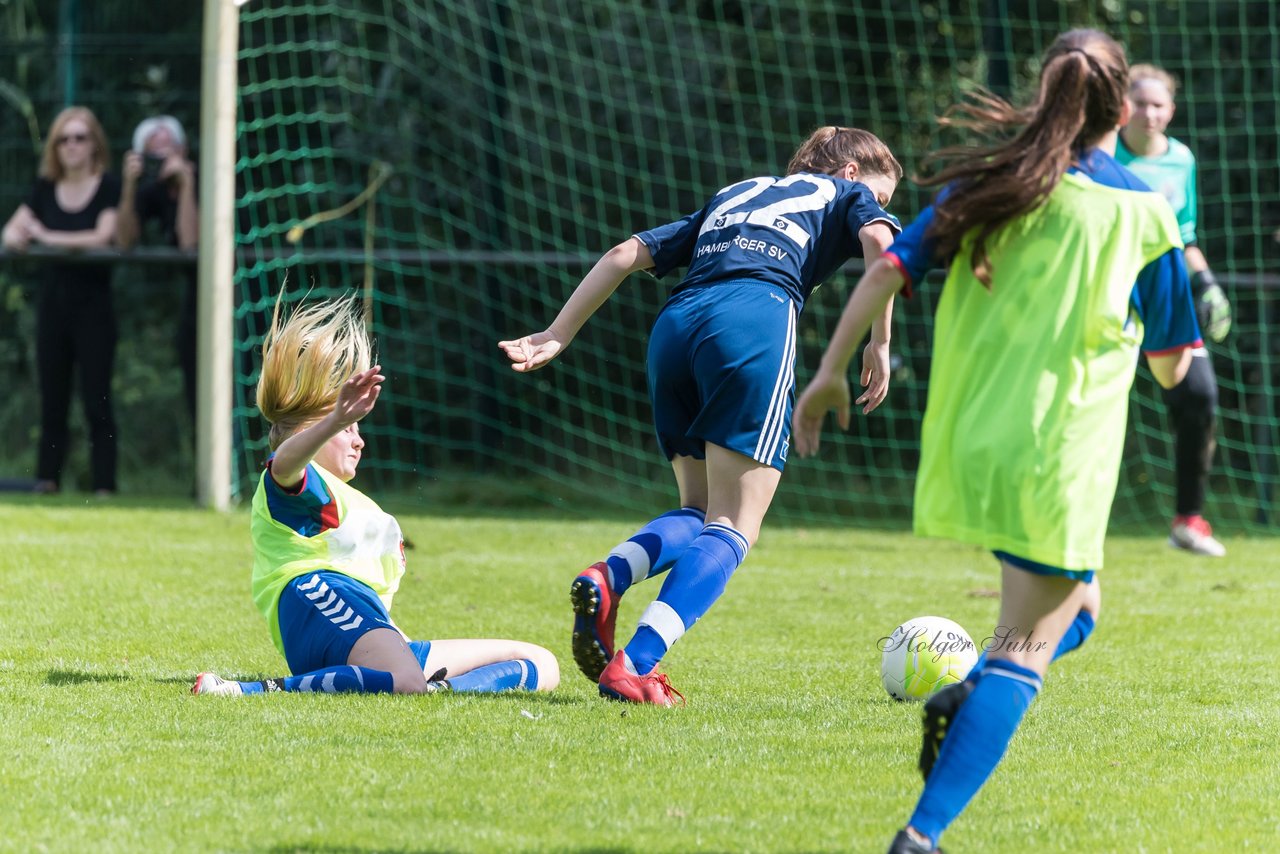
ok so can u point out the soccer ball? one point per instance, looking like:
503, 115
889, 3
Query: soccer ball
924, 655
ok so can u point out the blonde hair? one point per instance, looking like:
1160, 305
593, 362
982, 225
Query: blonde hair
306, 359
51, 166
829, 148
1146, 71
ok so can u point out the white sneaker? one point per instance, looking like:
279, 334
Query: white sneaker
212, 683
1193, 534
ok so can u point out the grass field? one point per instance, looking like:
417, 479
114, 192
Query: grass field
1159, 735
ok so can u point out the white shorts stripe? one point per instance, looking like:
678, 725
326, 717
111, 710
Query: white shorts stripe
320, 591
338, 621
354, 624
772, 428
636, 558
333, 597
338, 606
780, 425
664, 620
315, 579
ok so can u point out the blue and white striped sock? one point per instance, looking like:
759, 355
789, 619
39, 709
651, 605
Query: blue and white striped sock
694, 584
329, 680
975, 743
654, 548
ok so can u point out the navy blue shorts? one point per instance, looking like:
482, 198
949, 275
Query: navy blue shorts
323, 614
722, 370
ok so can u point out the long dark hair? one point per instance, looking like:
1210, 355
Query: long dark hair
1082, 89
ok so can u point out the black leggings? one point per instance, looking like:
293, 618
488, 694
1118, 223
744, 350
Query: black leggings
1193, 407
76, 328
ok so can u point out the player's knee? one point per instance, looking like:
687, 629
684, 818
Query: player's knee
548, 668
409, 681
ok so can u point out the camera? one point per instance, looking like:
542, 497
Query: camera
151, 168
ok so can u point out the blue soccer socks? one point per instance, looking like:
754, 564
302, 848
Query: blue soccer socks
975, 743
519, 674
330, 680
1077, 633
515, 675
654, 548
695, 583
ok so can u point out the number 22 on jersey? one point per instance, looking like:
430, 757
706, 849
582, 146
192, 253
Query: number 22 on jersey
754, 205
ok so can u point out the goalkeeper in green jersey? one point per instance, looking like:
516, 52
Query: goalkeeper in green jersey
1169, 168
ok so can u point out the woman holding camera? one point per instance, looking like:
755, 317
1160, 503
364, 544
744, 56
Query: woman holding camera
160, 186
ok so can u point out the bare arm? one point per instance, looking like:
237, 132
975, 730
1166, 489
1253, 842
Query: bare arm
829, 389
533, 351
100, 236
876, 238
128, 228
355, 401
187, 226
1170, 369
1195, 260
16, 235
875, 291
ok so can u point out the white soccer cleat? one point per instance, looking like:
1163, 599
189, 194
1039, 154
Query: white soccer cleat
1193, 534
212, 683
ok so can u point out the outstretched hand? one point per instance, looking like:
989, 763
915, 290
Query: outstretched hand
358, 395
824, 393
532, 351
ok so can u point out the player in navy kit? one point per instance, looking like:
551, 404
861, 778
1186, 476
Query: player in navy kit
721, 371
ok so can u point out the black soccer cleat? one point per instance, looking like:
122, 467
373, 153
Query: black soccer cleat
905, 843
939, 711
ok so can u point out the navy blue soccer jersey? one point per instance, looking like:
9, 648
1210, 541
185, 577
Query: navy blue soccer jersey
308, 508
793, 232
1161, 296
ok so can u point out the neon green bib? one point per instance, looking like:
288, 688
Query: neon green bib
366, 545
1029, 385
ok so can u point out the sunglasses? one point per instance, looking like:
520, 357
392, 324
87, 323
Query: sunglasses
72, 137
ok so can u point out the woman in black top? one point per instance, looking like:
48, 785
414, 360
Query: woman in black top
73, 205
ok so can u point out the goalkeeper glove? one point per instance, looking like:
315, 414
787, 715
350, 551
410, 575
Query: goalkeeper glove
1213, 310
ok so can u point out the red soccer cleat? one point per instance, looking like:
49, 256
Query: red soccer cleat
619, 683
1193, 534
595, 612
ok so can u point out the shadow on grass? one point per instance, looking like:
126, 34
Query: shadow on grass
541, 698
79, 677
330, 849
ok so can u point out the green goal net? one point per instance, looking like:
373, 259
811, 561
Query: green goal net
463, 163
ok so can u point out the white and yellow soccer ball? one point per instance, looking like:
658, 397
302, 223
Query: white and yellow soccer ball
924, 655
